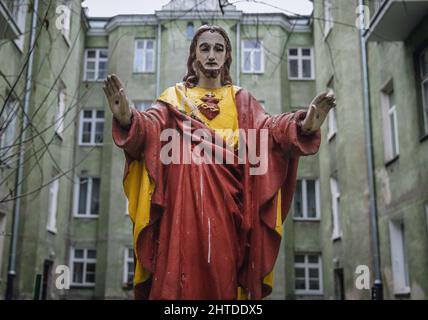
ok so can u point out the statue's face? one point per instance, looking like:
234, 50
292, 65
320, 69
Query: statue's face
210, 53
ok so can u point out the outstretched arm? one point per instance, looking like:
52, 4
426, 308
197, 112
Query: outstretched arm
298, 134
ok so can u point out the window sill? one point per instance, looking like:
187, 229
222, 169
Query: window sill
307, 219
405, 292
301, 79
308, 293
392, 160
82, 286
423, 138
52, 230
253, 72
95, 81
143, 72
90, 144
81, 216
331, 135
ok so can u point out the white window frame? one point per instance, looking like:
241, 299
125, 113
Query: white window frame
53, 206
19, 13
59, 118
424, 81
306, 265
328, 17
85, 260
127, 259
400, 274
97, 60
335, 207
252, 52
305, 202
94, 120
87, 214
299, 58
7, 137
142, 52
391, 141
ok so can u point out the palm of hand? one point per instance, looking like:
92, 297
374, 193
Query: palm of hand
318, 111
117, 99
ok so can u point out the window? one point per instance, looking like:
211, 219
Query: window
252, 56
390, 124
332, 116
424, 87
53, 205
190, 31
142, 105
59, 118
19, 13
398, 257
328, 17
306, 200
300, 64
128, 272
308, 274
87, 193
83, 263
91, 127
335, 206
67, 20
95, 64
144, 55
7, 131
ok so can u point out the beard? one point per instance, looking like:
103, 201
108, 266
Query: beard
209, 73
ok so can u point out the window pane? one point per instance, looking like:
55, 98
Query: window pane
294, 69
257, 61
298, 209
314, 285
138, 66
103, 53
189, 30
140, 44
86, 132
299, 258
306, 64
99, 131
149, 61
90, 75
306, 52
92, 254
149, 44
313, 259
78, 272
293, 52
100, 114
83, 193
91, 53
87, 114
130, 253
78, 253
300, 284
90, 65
95, 201
249, 44
313, 273
310, 190
130, 272
299, 272
247, 61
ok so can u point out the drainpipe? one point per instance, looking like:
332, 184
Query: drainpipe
158, 56
377, 289
238, 53
11, 273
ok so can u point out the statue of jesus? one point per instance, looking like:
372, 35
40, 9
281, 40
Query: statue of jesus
209, 229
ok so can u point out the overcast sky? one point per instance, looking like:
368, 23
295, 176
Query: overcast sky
107, 8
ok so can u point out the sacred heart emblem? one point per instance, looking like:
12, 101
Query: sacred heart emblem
209, 106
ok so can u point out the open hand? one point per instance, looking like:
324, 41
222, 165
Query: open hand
318, 110
117, 99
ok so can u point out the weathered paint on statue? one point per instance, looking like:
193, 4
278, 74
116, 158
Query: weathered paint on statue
209, 230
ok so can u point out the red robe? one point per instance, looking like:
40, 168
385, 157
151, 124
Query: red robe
212, 226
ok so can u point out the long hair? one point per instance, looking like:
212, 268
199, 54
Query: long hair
191, 78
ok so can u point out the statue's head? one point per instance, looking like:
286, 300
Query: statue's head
210, 54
